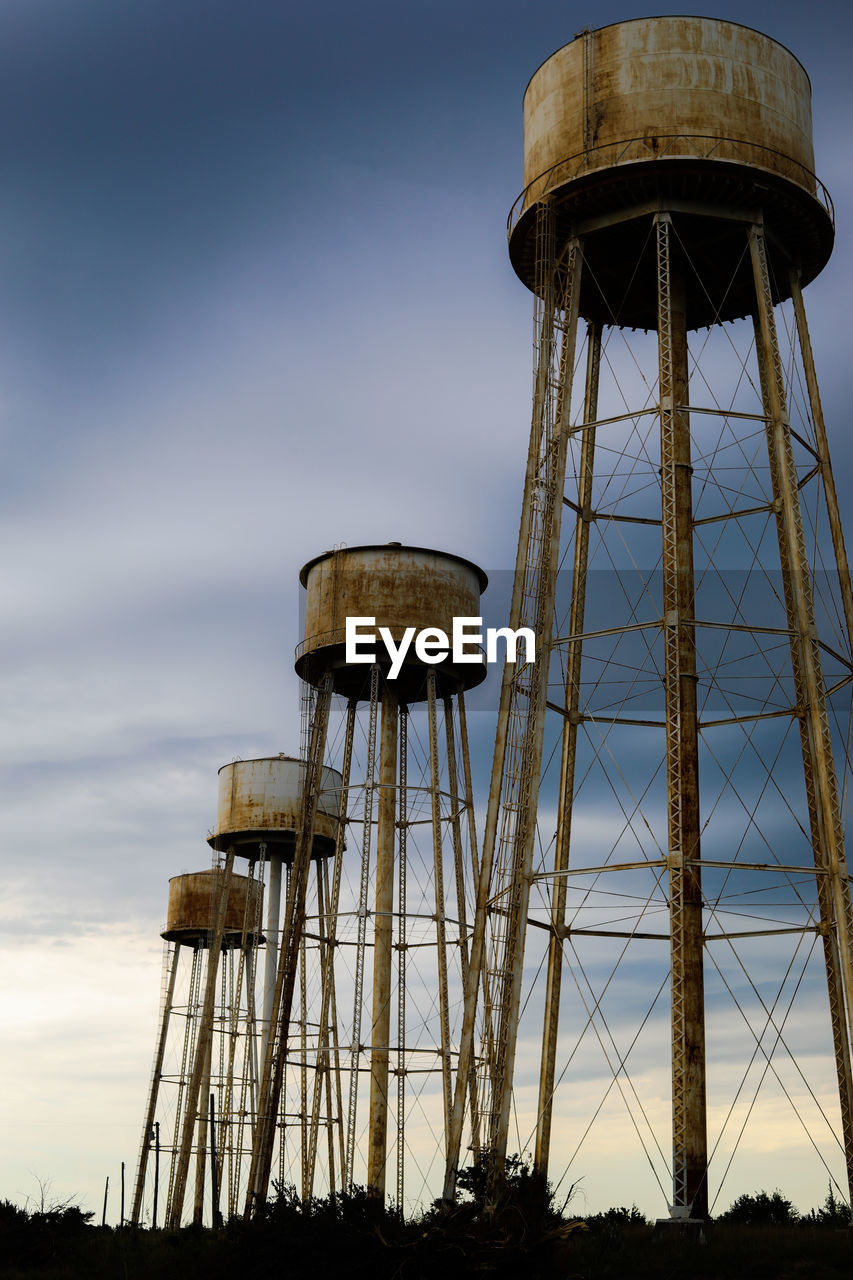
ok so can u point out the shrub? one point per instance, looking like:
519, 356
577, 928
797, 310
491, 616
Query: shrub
833, 1213
617, 1219
761, 1210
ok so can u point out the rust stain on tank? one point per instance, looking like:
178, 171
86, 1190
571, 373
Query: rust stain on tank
701, 117
260, 804
679, 77
193, 900
400, 587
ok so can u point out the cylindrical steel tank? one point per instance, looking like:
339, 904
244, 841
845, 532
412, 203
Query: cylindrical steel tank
193, 899
259, 804
671, 109
399, 587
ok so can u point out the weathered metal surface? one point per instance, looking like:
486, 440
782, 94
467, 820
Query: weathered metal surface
193, 899
659, 231
274, 870
153, 1091
832, 509
568, 759
400, 587
292, 934
508, 844
825, 815
380, 1036
201, 1061
259, 803
655, 78
689, 1125
694, 115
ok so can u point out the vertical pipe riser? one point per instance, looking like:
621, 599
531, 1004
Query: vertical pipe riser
271, 957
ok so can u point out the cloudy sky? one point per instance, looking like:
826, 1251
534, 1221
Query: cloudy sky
255, 301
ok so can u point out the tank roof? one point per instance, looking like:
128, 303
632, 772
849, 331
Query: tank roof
383, 546
259, 760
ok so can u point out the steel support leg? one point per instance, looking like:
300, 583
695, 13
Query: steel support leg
273, 939
201, 1061
358, 994
461, 804
513, 796
328, 951
377, 1135
567, 759
689, 1122
402, 955
151, 1110
291, 937
522, 774
833, 886
832, 511
438, 884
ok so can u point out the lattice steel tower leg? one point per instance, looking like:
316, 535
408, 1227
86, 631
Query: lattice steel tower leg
568, 755
689, 1124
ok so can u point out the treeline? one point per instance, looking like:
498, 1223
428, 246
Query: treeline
522, 1233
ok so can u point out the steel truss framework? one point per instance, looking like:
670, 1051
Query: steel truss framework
356, 1088
353, 1047
695, 618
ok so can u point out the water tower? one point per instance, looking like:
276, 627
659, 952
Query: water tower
393, 926
202, 942
259, 819
259, 815
682, 738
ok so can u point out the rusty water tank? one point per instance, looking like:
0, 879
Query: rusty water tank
193, 899
704, 117
259, 804
400, 587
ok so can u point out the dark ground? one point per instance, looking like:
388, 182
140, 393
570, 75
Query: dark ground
349, 1238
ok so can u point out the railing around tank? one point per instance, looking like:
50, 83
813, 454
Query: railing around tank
322, 640
666, 146
330, 639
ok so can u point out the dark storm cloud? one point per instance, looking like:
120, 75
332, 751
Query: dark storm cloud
139, 139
